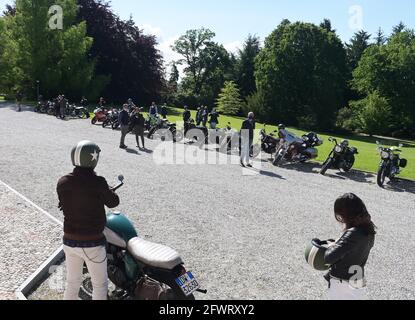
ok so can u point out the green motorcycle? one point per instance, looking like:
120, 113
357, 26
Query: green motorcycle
142, 270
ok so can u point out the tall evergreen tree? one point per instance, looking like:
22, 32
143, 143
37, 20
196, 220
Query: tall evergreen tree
380, 37
358, 44
326, 24
400, 27
245, 65
229, 101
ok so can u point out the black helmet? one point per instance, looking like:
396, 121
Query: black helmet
281, 126
345, 143
85, 154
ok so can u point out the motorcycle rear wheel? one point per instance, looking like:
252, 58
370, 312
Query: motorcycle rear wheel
94, 121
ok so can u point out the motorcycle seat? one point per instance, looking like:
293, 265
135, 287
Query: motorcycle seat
153, 254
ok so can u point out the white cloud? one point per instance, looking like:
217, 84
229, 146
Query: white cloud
151, 30
233, 46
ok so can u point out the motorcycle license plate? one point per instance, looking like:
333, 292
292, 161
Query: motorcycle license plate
188, 283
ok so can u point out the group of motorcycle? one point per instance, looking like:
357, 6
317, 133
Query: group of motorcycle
50, 107
299, 150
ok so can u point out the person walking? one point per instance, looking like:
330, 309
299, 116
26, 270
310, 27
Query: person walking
83, 196
137, 126
205, 116
247, 139
214, 119
62, 107
124, 121
153, 112
19, 99
348, 256
199, 115
164, 111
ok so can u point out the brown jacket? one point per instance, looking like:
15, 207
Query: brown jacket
83, 196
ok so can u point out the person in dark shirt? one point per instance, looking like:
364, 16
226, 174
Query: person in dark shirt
348, 256
137, 126
214, 119
247, 139
164, 111
124, 120
82, 197
205, 116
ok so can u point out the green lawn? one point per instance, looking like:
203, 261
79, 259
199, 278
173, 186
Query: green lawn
367, 160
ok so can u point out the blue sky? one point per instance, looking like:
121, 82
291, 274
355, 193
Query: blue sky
233, 20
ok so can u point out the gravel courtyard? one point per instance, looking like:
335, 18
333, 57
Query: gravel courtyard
243, 236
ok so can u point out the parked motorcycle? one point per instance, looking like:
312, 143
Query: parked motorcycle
342, 157
77, 112
142, 270
231, 141
51, 108
163, 126
112, 119
100, 115
391, 163
269, 143
41, 107
299, 150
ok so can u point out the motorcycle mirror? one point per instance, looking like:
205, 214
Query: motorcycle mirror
121, 178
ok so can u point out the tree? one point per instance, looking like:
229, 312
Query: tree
124, 54
400, 27
380, 37
229, 101
373, 114
207, 65
57, 58
326, 24
301, 71
390, 70
245, 65
358, 44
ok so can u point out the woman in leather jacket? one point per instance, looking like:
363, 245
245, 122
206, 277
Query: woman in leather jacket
348, 255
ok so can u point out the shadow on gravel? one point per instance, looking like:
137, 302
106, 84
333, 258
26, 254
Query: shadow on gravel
132, 151
302, 167
401, 186
357, 176
270, 174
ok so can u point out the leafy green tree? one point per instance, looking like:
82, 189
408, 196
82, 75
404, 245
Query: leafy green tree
358, 44
229, 101
207, 65
245, 65
302, 70
390, 70
373, 114
326, 24
56, 57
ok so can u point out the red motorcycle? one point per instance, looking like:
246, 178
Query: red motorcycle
100, 115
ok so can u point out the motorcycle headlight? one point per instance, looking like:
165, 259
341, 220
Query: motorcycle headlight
338, 149
385, 155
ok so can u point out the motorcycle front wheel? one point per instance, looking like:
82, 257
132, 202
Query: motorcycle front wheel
278, 159
327, 165
381, 176
349, 165
94, 120
115, 125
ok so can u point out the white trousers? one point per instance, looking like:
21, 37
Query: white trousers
96, 261
344, 291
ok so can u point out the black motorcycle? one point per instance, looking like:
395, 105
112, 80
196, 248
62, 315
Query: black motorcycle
269, 143
165, 129
342, 157
51, 108
391, 163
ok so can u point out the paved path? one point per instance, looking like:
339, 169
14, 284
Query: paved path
243, 236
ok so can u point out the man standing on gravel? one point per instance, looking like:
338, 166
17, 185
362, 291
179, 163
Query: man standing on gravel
247, 139
124, 120
82, 197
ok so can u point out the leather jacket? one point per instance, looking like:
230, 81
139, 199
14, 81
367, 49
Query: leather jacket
82, 197
351, 250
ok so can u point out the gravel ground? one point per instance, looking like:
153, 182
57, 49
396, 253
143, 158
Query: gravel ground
27, 238
243, 235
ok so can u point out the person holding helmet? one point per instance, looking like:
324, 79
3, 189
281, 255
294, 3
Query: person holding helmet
83, 196
348, 255
131, 105
247, 139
